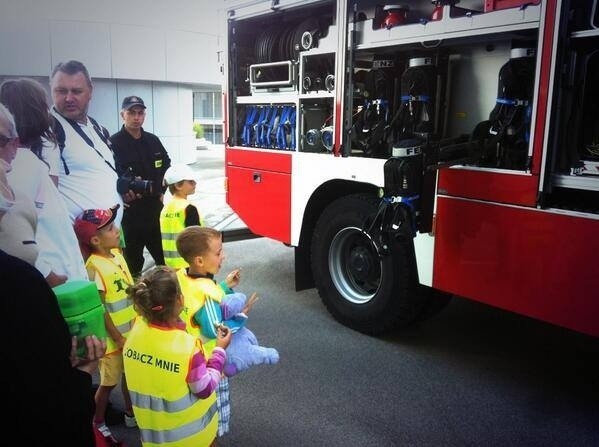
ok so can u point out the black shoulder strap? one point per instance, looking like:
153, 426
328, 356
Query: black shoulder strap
102, 132
60, 140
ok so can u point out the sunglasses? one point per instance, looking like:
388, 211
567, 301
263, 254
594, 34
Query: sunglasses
4, 140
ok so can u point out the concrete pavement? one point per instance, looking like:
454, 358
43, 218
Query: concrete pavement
210, 196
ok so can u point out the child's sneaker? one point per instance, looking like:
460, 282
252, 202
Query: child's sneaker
130, 421
105, 434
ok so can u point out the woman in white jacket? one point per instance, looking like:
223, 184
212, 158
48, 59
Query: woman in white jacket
59, 256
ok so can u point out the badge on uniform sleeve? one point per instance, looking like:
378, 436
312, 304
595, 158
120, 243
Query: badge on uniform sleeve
157, 163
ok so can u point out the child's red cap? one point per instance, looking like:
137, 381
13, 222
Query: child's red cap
90, 221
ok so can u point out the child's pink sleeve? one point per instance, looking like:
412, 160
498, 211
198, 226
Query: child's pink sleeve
203, 377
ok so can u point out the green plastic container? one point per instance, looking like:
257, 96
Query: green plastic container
82, 309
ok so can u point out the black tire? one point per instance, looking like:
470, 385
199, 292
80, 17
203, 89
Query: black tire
362, 290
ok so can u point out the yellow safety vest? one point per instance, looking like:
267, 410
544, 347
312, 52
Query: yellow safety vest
195, 291
116, 278
172, 222
157, 362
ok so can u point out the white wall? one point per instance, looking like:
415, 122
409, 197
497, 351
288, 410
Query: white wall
174, 41
158, 50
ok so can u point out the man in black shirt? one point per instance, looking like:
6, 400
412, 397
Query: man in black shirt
141, 161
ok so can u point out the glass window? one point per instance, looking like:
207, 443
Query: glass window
207, 105
208, 111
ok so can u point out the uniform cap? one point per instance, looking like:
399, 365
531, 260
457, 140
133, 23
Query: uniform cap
132, 101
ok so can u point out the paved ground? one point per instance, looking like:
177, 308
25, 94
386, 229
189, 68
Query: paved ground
471, 376
210, 191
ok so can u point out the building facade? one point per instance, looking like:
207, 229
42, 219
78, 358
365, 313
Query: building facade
165, 52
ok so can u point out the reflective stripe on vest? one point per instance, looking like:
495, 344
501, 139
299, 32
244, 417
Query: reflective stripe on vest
157, 361
172, 222
181, 432
116, 278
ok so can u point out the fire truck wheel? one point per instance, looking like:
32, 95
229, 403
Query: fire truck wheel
368, 292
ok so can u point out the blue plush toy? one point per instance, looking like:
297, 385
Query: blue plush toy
244, 350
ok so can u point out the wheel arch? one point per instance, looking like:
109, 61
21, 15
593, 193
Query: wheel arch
319, 200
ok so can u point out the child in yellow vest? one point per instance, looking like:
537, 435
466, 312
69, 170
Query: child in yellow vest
178, 213
202, 249
99, 239
171, 378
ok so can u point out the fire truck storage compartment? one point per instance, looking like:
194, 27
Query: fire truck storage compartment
387, 16
317, 73
582, 86
417, 20
276, 37
440, 95
266, 180
267, 126
316, 131
265, 54
574, 183
589, 123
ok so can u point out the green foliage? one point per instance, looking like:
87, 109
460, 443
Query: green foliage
198, 129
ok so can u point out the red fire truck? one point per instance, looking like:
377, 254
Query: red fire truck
413, 152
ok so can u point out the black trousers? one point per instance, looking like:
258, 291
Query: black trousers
142, 229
